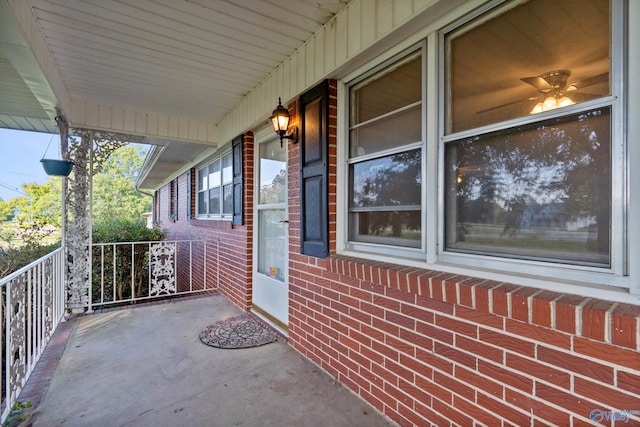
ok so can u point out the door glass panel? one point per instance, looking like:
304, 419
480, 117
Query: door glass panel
271, 243
273, 173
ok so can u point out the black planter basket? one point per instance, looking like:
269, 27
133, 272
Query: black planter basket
55, 167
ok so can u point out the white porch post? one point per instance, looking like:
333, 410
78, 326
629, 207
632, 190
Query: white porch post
88, 150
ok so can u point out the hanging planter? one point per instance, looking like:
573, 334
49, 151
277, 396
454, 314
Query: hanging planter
55, 167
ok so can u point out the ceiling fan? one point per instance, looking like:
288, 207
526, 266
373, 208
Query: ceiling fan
554, 91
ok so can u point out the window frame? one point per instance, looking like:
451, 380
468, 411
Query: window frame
221, 214
432, 254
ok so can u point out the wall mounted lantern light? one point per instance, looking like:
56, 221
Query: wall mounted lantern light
280, 120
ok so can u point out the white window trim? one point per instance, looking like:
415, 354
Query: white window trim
206, 164
620, 282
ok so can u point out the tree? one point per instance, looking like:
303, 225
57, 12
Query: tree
114, 193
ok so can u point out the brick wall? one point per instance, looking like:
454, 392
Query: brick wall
430, 348
229, 247
427, 348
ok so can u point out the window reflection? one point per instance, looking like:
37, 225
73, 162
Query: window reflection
385, 201
540, 191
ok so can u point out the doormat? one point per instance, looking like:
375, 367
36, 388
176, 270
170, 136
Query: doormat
237, 332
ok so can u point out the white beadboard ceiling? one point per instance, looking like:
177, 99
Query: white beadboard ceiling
183, 59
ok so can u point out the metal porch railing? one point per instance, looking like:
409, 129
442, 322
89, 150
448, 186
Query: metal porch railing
134, 272
33, 301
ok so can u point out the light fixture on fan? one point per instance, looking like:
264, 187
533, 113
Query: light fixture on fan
550, 85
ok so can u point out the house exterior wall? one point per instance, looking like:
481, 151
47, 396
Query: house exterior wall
427, 347
229, 246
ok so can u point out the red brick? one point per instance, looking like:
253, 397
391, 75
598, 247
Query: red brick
434, 332
569, 401
500, 298
576, 364
400, 346
516, 417
416, 339
434, 361
434, 304
416, 366
538, 408
624, 325
629, 382
433, 418
480, 349
594, 319
507, 342
608, 353
520, 304
538, 370
399, 319
505, 376
538, 333
542, 308
565, 312
455, 355
452, 414
610, 396
457, 327
480, 317
417, 313
477, 413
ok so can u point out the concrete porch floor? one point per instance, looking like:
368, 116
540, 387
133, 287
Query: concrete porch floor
147, 367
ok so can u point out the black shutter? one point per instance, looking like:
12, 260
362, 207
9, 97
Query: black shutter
189, 194
237, 179
314, 165
170, 201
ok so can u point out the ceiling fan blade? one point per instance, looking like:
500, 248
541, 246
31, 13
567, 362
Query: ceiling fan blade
537, 82
508, 104
591, 81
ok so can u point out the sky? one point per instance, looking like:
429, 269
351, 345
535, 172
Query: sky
20, 154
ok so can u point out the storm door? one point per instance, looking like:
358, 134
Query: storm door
270, 285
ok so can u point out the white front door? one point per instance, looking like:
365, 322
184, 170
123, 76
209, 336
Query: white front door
271, 255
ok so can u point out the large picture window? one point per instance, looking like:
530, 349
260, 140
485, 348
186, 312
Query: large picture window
215, 188
528, 151
385, 156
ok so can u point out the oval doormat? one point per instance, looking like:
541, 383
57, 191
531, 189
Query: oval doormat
237, 332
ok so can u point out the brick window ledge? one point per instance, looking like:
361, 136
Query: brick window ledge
607, 322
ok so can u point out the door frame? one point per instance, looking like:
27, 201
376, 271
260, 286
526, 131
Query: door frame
263, 136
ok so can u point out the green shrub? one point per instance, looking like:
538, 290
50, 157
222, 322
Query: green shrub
13, 259
121, 272
119, 230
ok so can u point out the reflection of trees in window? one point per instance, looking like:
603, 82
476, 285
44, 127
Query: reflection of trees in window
274, 191
390, 186
528, 182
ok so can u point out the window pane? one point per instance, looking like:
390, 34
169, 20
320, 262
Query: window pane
399, 228
214, 201
385, 200
202, 179
214, 174
228, 199
397, 87
399, 129
541, 191
227, 172
203, 203
272, 245
273, 173
387, 181
535, 54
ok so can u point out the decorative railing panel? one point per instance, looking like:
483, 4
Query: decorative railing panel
132, 272
33, 304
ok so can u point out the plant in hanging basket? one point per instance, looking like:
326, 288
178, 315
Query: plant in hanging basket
57, 167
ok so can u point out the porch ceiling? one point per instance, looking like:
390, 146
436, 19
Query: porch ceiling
173, 60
